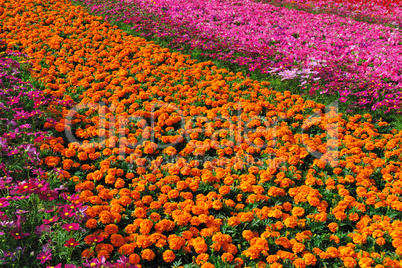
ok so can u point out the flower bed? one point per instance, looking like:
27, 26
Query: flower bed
377, 11
184, 164
329, 54
29, 195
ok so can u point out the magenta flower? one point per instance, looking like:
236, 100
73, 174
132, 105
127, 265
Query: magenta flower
53, 219
44, 256
67, 213
13, 100
42, 228
124, 261
71, 266
18, 234
97, 263
24, 188
71, 227
42, 186
25, 126
49, 195
70, 243
95, 238
4, 204
20, 211
57, 266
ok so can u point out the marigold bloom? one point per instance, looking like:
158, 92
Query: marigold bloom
134, 258
333, 227
126, 249
168, 256
88, 253
91, 224
247, 234
380, 241
147, 254
202, 258
309, 259
199, 245
117, 240
111, 229
349, 262
298, 211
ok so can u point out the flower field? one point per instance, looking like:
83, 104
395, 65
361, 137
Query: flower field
329, 54
117, 152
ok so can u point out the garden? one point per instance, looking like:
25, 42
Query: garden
186, 134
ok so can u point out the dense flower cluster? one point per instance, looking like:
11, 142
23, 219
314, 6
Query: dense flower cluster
25, 195
329, 54
375, 11
179, 161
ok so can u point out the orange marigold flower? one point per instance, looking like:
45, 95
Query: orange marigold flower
298, 211
207, 265
140, 212
111, 229
146, 226
201, 258
334, 238
366, 262
299, 263
332, 252
172, 194
117, 240
298, 247
147, 254
119, 183
134, 258
309, 259
333, 227
349, 262
52, 161
199, 245
91, 224
227, 257
248, 235
168, 256
176, 242
290, 222
380, 241
126, 249
88, 253
238, 262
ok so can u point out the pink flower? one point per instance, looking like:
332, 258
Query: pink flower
53, 219
18, 234
70, 243
4, 204
71, 227
44, 256
57, 266
67, 213
71, 266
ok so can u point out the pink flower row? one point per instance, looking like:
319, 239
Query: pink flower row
330, 53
